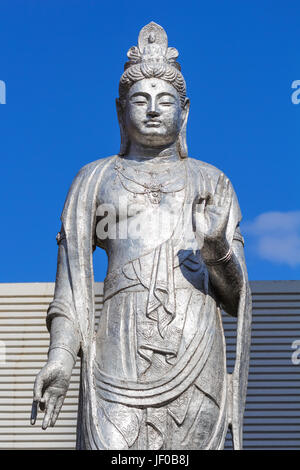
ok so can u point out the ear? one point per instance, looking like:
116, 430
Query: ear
181, 141
124, 136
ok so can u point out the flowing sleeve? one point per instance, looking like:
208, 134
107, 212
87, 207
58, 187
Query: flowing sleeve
74, 287
238, 380
63, 303
235, 217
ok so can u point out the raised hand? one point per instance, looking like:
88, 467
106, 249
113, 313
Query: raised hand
211, 221
216, 211
50, 389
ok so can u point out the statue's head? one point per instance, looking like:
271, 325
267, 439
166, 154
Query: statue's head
152, 105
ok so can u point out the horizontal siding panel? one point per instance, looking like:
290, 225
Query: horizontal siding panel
16, 416
258, 422
34, 432
23, 424
22, 377
15, 343
292, 297
278, 333
269, 414
275, 313
25, 395
11, 321
9, 335
16, 408
49, 445
37, 300
15, 388
41, 437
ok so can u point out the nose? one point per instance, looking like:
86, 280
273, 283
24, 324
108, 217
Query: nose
152, 111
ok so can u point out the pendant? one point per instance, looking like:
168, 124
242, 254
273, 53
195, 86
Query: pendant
154, 193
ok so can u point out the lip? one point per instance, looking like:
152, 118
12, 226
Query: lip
152, 122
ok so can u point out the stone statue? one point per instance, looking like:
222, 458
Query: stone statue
153, 374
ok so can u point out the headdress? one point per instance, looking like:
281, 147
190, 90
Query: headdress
152, 49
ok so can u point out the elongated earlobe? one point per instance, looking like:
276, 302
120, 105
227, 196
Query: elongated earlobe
124, 137
181, 141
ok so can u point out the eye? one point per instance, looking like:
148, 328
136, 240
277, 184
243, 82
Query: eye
166, 103
140, 101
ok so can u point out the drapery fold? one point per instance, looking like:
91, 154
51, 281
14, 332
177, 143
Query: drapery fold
78, 222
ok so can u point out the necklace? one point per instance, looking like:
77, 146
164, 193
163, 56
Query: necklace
150, 168
153, 189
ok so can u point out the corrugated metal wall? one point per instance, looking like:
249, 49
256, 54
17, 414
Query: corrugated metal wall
24, 342
272, 418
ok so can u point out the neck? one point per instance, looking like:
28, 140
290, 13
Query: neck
156, 155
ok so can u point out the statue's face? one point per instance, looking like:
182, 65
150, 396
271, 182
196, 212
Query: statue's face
153, 114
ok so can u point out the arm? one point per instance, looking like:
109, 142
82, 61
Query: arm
53, 380
225, 272
64, 336
224, 261
222, 251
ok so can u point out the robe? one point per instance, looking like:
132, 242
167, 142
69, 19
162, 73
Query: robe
105, 396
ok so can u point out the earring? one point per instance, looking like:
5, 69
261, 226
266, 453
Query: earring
181, 143
124, 141
124, 136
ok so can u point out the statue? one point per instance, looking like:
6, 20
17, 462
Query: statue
153, 375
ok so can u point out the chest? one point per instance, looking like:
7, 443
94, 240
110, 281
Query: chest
128, 195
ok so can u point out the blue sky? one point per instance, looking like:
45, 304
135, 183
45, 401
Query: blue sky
61, 62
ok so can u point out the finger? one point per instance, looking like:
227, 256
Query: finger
228, 194
200, 206
44, 400
225, 194
37, 396
34, 412
38, 388
219, 191
207, 196
42, 405
56, 411
49, 410
209, 199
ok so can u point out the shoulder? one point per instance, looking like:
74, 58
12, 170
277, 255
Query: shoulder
96, 165
206, 170
90, 172
208, 175
86, 180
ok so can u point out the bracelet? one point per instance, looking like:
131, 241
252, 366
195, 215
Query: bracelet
66, 348
239, 238
222, 260
59, 237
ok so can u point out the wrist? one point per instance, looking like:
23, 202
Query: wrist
215, 249
63, 354
219, 261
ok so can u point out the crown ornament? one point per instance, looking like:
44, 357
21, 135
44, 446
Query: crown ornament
152, 48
